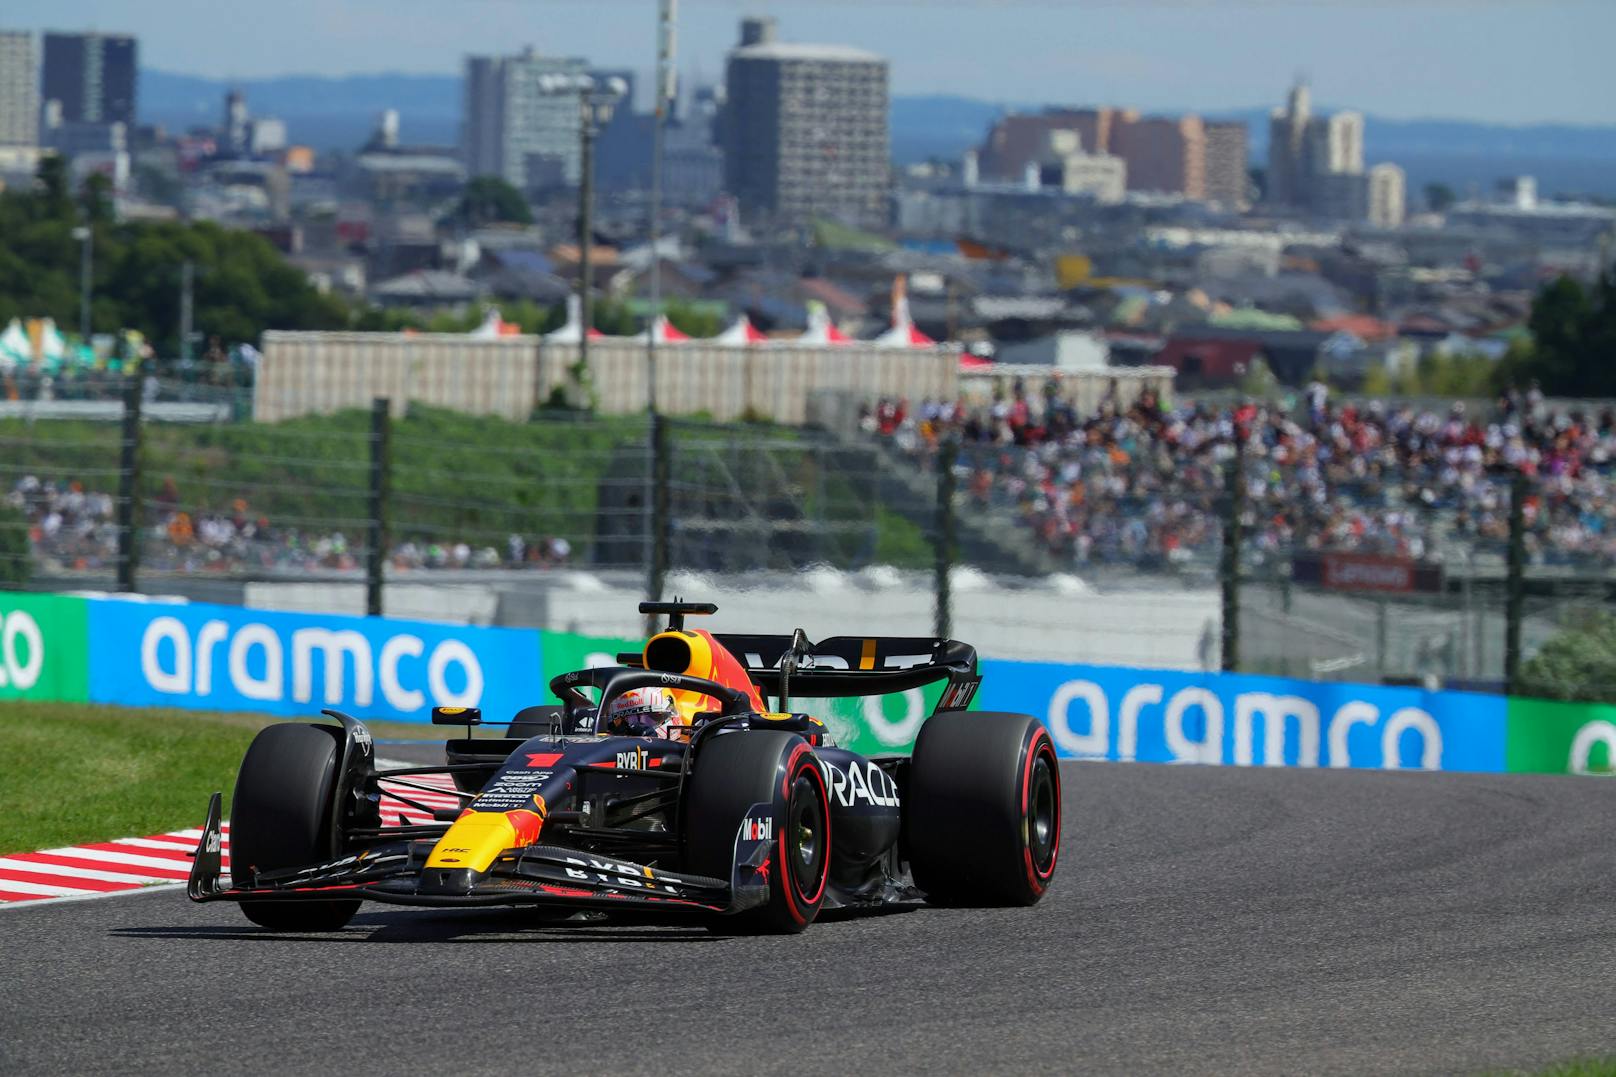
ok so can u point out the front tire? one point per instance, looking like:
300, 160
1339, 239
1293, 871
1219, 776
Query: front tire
280, 817
737, 770
983, 815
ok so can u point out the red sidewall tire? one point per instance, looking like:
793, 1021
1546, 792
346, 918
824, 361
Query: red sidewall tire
730, 774
796, 901
982, 814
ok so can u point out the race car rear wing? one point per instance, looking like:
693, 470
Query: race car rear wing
840, 666
860, 666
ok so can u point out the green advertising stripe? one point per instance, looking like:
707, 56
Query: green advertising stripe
44, 644
1550, 737
564, 652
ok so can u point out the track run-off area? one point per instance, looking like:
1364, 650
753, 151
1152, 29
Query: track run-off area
1203, 919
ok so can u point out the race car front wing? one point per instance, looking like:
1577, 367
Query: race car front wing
396, 873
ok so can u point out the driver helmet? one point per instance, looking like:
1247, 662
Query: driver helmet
642, 712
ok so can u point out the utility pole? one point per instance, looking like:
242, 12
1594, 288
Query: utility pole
381, 452
1515, 582
666, 89
942, 619
128, 507
655, 502
1233, 539
596, 100
86, 237
586, 200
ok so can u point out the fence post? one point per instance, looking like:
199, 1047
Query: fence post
381, 436
947, 453
1229, 567
659, 522
129, 484
1515, 583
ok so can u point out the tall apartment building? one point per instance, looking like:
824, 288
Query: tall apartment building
92, 77
805, 129
19, 90
692, 162
1316, 163
1287, 135
1018, 139
1388, 196
514, 127
1164, 155
1064, 166
1227, 176
1334, 145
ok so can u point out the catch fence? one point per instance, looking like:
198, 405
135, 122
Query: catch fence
1087, 555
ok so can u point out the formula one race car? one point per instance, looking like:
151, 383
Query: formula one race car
726, 807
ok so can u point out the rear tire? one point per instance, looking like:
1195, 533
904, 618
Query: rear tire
737, 770
982, 818
280, 817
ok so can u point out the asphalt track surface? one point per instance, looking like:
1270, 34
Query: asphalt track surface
1202, 920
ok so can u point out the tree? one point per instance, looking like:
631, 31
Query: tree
1573, 350
54, 195
693, 320
1577, 664
490, 200
95, 198
1439, 197
243, 285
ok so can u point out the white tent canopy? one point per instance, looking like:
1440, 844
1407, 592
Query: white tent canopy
16, 350
740, 333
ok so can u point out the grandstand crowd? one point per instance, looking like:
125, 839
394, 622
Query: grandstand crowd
1134, 482
74, 529
1139, 482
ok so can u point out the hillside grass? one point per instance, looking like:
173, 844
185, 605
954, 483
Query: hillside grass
456, 477
77, 773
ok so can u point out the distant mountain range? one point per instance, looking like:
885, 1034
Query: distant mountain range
340, 113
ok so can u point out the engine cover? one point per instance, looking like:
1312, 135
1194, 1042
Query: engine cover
866, 817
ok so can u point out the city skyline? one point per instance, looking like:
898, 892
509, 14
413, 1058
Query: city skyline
1453, 60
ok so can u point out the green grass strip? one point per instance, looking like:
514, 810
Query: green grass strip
1600, 1066
73, 773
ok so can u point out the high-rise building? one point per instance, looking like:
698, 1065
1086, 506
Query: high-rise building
514, 126
805, 129
92, 76
1161, 154
1287, 135
1164, 155
623, 151
19, 90
692, 163
1316, 163
235, 123
1064, 166
1339, 196
1388, 196
1017, 140
1227, 178
1334, 145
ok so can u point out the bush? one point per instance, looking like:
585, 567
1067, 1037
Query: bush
1578, 664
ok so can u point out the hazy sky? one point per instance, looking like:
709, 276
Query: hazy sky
1522, 61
